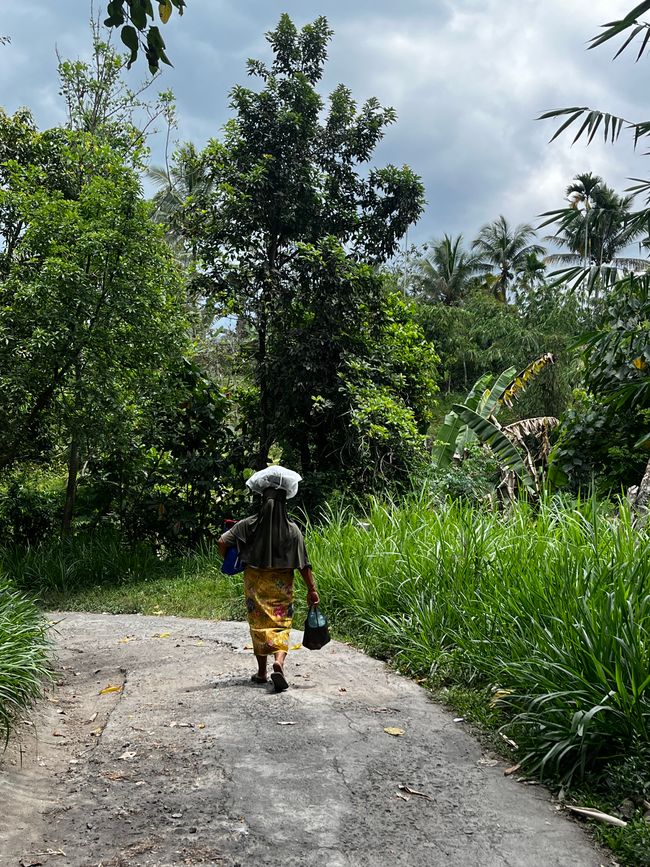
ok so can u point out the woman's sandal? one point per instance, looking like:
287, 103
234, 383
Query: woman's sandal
278, 678
257, 679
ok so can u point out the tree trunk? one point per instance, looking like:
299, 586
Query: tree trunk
71, 489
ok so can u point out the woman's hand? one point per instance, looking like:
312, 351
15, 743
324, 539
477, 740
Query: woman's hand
312, 597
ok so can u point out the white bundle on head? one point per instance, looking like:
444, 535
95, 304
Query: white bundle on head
275, 477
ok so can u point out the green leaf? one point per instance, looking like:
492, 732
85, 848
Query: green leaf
443, 451
138, 14
129, 37
490, 435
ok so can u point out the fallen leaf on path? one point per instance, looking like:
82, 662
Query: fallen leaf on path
162, 635
109, 688
459, 719
201, 726
58, 735
488, 763
125, 640
287, 723
198, 643
181, 725
393, 730
599, 816
403, 797
126, 756
342, 689
509, 741
296, 646
248, 647
410, 791
509, 771
382, 709
95, 733
114, 776
498, 696
91, 719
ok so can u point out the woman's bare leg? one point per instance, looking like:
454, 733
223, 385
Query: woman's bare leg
280, 656
261, 666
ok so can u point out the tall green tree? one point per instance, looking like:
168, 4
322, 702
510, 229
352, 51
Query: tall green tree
91, 315
354, 377
503, 250
287, 175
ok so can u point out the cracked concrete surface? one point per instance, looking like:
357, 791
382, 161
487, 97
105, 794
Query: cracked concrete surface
187, 762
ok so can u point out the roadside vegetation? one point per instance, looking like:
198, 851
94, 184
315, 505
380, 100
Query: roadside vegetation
471, 417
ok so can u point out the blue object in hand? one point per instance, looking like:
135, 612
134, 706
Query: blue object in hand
232, 563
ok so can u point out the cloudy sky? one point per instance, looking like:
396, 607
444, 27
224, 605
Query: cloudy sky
467, 78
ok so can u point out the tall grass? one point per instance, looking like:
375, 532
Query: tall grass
550, 607
23, 651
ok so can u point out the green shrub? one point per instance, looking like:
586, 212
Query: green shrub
31, 504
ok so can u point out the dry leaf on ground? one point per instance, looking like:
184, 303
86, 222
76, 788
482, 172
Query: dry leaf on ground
109, 688
393, 730
127, 756
410, 791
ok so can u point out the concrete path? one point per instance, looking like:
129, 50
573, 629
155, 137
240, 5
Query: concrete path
184, 761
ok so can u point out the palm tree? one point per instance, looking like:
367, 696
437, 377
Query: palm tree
595, 226
505, 249
186, 178
443, 275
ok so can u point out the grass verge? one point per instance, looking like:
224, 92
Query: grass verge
23, 655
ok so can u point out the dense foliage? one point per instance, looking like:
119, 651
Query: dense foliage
259, 309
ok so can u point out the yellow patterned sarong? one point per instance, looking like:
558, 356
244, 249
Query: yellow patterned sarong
269, 603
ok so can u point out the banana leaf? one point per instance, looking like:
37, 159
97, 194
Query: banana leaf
521, 381
489, 434
491, 398
445, 447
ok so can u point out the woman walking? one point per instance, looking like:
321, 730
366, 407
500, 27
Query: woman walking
272, 547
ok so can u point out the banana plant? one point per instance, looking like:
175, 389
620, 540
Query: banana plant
476, 419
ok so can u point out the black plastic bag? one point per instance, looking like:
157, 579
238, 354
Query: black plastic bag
316, 632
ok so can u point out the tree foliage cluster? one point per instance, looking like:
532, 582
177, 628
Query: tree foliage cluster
259, 307
120, 372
